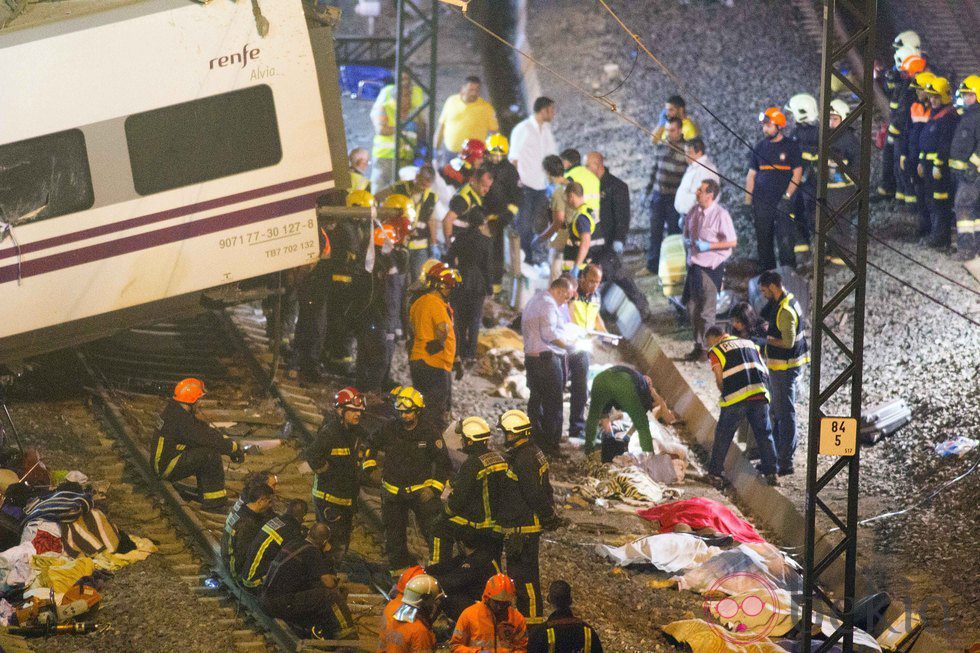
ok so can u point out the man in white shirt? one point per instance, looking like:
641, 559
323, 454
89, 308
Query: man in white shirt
700, 168
530, 142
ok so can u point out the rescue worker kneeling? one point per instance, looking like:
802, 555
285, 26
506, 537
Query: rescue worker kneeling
243, 524
523, 544
302, 589
409, 628
493, 624
416, 468
185, 445
276, 532
335, 456
484, 501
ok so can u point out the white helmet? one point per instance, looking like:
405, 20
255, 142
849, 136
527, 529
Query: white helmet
840, 108
908, 39
804, 108
419, 589
902, 53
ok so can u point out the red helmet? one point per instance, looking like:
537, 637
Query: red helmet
189, 391
441, 275
773, 115
473, 150
500, 588
349, 399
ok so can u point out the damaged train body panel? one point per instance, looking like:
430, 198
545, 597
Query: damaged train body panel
152, 151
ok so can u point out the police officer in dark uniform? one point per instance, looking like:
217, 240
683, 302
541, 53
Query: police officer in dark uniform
935, 142
501, 202
469, 198
276, 532
775, 174
484, 481
806, 132
337, 455
563, 631
185, 445
581, 232
523, 545
243, 524
413, 476
964, 161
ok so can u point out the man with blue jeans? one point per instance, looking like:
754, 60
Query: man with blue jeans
742, 378
669, 164
786, 354
531, 141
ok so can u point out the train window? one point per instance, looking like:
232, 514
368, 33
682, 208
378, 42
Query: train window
44, 177
204, 139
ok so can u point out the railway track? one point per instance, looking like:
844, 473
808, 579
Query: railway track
132, 374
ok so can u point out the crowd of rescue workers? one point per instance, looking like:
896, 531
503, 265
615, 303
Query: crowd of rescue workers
517, 203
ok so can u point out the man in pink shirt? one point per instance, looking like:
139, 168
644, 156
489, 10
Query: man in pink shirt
710, 238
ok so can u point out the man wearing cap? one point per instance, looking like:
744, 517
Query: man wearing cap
775, 173
563, 631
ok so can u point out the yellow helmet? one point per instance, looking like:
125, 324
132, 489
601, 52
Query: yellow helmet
940, 86
407, 399
424, 270
403, 203
922, 79
516, 426
970, 85
473, 429
497, 144
360, 198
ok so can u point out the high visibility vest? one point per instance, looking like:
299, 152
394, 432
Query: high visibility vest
359, 181
472, 199
590, 185
782, 358
585, 311
384, 146
743, 374
570, 253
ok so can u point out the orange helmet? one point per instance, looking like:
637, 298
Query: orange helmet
913, 64
408, 575
189, 391
441, 275
349, 398
773, 115
385, 233
500, 588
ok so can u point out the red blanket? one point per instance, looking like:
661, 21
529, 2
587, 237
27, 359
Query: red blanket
702, 513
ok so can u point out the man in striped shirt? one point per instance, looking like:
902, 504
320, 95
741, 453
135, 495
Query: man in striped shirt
669, 164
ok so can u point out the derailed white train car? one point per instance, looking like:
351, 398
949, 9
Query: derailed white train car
152, 151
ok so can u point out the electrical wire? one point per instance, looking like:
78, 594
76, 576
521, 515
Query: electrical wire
687, 91
636, 57
615, 109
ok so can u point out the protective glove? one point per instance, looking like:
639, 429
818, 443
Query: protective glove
458, 370
921, 170
574, 272
901, 162
785, 206
702, 245
618, 246
435, 251
237, 455
937, 173
433, 347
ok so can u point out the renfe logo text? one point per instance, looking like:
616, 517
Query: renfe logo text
241, 58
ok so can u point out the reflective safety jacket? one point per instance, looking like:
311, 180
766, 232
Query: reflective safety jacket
964, 153
414, 458
919, 114
808, 137
242, 526
584, 219
336, 455
179, 430
484, 494
463, 202
477, 632
384, 146
898, 109
531, 467
784, 358
397, 636
266, 546
936, 138
584, 311
591, 186
743, 374
563, 631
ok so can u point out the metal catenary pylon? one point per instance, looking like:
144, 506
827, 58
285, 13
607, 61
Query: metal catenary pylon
846, 382
417, 26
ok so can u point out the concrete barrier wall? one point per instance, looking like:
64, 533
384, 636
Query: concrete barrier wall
767, 505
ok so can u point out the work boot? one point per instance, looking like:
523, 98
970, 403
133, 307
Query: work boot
963, 255
696, 355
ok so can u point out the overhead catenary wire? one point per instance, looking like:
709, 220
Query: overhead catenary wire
697, 100
633, 121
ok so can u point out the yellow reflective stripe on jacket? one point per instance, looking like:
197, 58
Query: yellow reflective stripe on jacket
745, 393
490, 469
342, 278
956, 164
329, 498
340, 451
159, 455
551, 640
893, 130
780, 364
940, 196
588, 639
584, 312
431, 483
418, 244
810, 157
271, 536
217, 494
